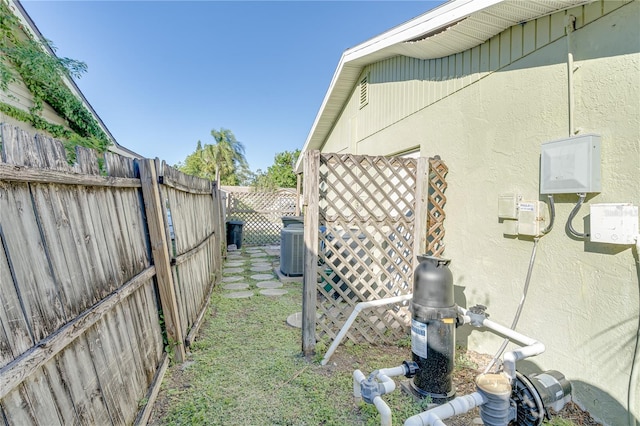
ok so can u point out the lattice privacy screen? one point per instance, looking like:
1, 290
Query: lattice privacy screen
261, 212
366, 214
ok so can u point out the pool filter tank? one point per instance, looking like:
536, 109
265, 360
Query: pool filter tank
433, 333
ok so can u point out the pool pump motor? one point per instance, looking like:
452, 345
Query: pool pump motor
433, 332
525, 401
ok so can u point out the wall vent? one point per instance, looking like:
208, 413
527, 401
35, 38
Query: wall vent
364, 90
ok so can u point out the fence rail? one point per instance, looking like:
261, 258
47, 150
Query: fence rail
83, 263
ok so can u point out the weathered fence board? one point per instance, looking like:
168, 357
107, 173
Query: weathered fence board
261, 211
370, 209
81, 341
192, 203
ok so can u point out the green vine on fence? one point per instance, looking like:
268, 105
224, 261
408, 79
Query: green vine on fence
43, 75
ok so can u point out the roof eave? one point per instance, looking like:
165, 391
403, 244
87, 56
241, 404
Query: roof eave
359, 56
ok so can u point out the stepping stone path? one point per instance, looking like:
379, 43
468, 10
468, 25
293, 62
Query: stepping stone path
236, 286
260, 268
239, 295
262, 277
269, 284
256, 260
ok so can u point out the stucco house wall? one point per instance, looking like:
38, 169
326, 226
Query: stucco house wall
486, 111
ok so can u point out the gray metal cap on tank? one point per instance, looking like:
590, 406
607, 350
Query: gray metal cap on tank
433, 283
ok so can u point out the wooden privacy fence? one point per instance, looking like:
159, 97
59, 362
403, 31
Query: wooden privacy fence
261, 211
195, 237
84, 266
367, 218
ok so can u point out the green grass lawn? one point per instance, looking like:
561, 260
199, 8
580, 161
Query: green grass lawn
245, 368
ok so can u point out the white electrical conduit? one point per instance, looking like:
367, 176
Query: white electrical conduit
634, 376
525, 290
436, 415
530, 347
356, 310
384, 376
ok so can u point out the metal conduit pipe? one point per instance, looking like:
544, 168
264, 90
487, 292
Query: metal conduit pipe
356, 310
530, 347
436, 415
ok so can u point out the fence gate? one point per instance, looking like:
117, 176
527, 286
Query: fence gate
374, 215
261, 211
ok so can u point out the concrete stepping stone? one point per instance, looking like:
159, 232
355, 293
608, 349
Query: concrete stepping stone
234, 264
273, 292
262, 277
295, 320
269, 284
233, 270
261, 268
261, 264
258, 255
236, 286
238, 295
231, 279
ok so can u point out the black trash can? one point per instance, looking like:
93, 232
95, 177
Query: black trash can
234, 233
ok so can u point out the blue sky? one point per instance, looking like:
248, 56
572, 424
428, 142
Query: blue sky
163, 74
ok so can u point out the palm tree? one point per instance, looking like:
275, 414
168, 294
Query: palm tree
225, 157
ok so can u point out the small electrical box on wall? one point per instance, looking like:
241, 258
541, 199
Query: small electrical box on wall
532, 218
522, 217
570, 166
614, 223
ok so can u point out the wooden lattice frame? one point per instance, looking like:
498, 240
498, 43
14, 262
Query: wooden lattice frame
261, 212
367, 206
437, 186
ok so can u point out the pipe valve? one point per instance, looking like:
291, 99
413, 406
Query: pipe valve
370, 389
477, 314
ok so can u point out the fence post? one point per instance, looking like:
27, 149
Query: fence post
311, 225
218, 228
158, 239
421, 210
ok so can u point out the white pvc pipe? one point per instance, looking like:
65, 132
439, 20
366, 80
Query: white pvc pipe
384, 377
530, 347
356, 310
384, 410
358, 377
436, 415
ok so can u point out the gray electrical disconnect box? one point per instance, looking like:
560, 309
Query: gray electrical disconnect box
570, 166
